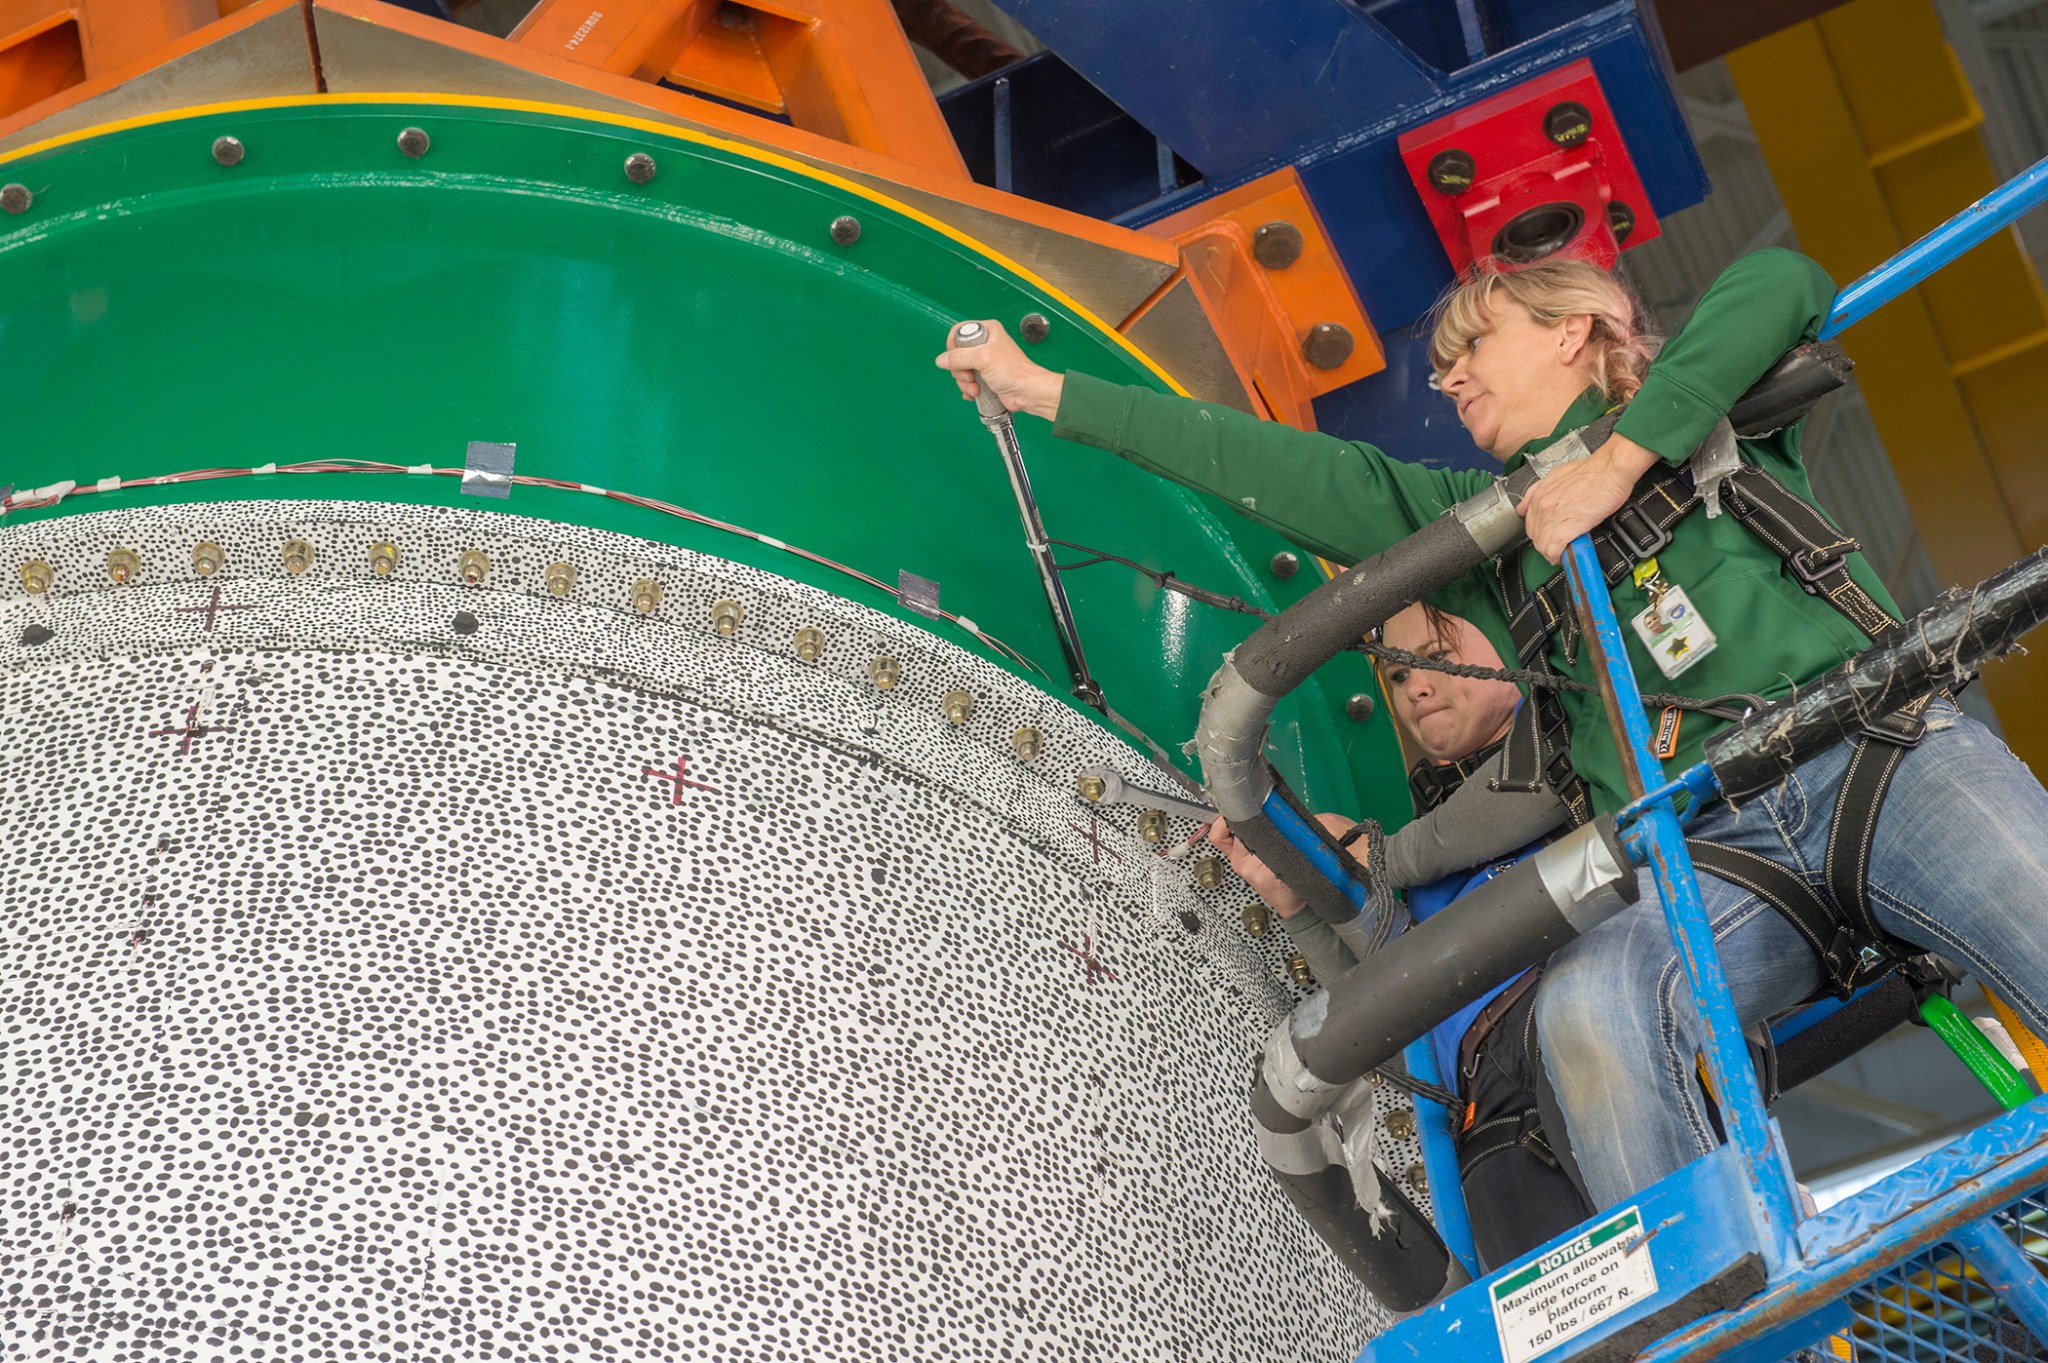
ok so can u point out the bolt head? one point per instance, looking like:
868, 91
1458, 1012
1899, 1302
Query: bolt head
561, 578
1277, 245
1298, 971
228, 150
464, 623
15, 198
1151, 825
36, 576
1209, 872
1285, 564
1400, 1124
1568, 124
473, 567
1359, 706
1258, 919
809, 643
298, 556
845, 229
1451, 171
1028, 743
1327, 345
959, 706
639, 167
727, 616
1034, 327
884, 671
384, 558
207, 558
1090, 787
1418, 1177
123, 565
1621, 220
414, 142
646, 596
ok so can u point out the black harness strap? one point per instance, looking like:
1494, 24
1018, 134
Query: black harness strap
1839, 925
1848, 957
1811, 545
1431, 783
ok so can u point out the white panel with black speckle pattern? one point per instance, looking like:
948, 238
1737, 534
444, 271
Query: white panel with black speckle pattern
372, 989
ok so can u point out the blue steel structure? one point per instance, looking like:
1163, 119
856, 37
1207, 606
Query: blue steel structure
1150, 106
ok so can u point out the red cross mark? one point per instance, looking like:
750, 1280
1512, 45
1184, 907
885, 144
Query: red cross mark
681, 779
192, 729
1094, 835
1085, 954
211, 610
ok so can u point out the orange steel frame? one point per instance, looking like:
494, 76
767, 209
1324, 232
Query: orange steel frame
840, 71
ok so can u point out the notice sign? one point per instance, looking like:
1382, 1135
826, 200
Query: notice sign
1547, 1301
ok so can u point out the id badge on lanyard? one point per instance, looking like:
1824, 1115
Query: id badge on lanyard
1671, 629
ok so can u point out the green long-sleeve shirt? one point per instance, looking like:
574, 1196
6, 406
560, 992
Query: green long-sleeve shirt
1347, 500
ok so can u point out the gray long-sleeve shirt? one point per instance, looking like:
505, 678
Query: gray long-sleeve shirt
1475, 825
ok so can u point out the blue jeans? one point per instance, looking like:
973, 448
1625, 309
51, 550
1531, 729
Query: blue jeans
1959, 867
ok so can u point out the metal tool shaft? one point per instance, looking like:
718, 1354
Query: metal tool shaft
997, 418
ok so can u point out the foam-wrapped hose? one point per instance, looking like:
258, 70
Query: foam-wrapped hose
1943, 645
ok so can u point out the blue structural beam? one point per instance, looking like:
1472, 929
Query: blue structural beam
1436, 1134
1658, 842
1993, 213
1930, 1202
1324, 85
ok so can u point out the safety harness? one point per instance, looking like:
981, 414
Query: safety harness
1837, 923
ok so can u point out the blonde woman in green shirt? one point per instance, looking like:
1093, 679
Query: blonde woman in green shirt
1959, 860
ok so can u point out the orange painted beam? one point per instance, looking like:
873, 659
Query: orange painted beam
625, 38
39, 60
841, 68
745, 127
15, 117
1310, 289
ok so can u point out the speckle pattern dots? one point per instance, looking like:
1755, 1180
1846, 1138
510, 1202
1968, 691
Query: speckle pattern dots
370, 992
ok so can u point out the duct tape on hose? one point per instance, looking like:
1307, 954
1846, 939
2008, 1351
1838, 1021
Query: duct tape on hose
1230, 743
1354, 1110
1288, 1078
1588, 877
1348, 1135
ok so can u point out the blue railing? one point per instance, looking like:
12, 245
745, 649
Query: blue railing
1940, 1262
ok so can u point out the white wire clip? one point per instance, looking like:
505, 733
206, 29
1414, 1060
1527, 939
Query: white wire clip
110, 483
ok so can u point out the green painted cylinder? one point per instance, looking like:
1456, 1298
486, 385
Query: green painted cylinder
700, 338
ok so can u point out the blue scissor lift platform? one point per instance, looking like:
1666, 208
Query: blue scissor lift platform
1940, 1262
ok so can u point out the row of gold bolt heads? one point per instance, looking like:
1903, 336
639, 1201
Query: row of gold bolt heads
727, 615
1257, 918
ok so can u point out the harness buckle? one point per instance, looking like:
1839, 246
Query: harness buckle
1852, 961
1811, 565
1904, 726
1647, 543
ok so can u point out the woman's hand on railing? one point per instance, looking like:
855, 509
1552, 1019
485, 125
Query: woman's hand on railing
1573, 498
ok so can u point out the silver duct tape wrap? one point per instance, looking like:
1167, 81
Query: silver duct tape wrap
1300, 1153
1490, 518
1230, 744
1288, 1077
1587, 881
399, 966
